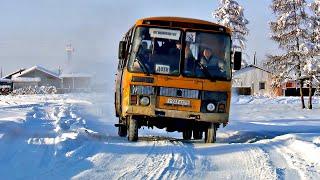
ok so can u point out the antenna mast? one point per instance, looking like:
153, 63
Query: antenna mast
69, 50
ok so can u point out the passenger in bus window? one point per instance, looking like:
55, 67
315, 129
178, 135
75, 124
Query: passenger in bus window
167, 46
189, 61
175, 51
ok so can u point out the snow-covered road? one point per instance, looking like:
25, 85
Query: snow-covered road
72, 136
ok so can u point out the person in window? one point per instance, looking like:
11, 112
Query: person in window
207, 57
189, 61
173, 58
175, 51
212, 60
144, 52
144, 56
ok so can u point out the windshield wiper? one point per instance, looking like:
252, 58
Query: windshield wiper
143, 67
205, 70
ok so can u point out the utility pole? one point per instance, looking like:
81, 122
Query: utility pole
255, 58
1, 75
59, 70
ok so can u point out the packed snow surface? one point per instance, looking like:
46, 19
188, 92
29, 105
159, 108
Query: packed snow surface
73, 136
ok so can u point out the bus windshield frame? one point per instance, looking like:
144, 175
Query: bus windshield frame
146, 55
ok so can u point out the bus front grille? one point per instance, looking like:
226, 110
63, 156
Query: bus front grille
181, 93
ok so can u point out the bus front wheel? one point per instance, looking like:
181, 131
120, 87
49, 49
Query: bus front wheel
211, 133
197, 134
186, 134
132, 129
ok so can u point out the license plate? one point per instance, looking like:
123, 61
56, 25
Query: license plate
178, 102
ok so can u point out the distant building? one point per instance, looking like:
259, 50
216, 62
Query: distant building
252, 80
39, 76
292, 88
75, 82
34, 76
6, 86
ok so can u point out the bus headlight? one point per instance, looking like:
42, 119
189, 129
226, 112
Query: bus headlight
145, 101
211, 107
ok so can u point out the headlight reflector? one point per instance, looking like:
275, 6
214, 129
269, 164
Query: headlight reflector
211, 107
144, 101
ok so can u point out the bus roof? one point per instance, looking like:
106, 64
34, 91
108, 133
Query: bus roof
205, 24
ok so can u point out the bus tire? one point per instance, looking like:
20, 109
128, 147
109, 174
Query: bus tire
132, 129
211, 133
186, 134
197, 134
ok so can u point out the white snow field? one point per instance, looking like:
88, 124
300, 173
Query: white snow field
73, 136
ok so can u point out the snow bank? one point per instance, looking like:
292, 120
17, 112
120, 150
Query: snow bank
270, 100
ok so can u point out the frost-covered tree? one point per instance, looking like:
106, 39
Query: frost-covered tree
315, 24
290, 30
231, 14
312, 48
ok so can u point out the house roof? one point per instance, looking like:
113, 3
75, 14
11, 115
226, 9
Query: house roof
39, 68
11, 74
248, 68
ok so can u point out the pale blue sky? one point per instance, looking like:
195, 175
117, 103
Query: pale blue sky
35, 32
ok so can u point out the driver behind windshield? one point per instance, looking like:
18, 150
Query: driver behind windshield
144, 52
144, 57
212, 59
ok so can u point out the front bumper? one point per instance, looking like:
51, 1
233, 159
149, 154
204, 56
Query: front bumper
155, 112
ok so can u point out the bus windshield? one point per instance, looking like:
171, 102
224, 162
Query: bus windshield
156, 51
207, 55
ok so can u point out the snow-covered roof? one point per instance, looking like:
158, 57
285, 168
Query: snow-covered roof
16, 72
248, 68
25, 79
5, 80
39, 68
76, 75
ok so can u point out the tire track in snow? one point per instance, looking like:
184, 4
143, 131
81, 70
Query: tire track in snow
183, 161
305, 169
257, 164
164, 160
152, 165
134, 170
233, 161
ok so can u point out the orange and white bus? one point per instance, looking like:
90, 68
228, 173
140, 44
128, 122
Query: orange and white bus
175, 73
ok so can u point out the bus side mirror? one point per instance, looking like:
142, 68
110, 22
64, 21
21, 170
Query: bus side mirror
237, 60
122, 49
